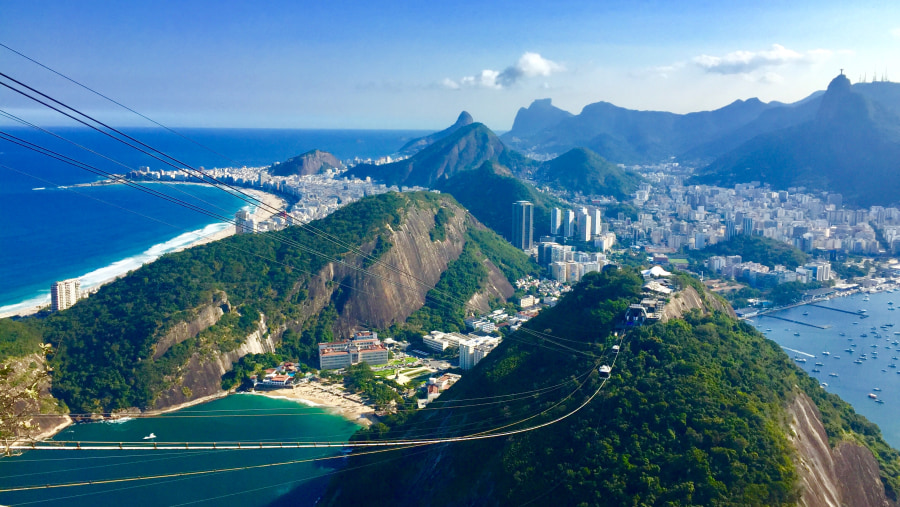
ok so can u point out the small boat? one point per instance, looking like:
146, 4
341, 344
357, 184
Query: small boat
864, 335
855, 323
816, 370
892, 365
769, 330
858, 361
800, 359
836, 357
876, 389
880, 402
150, 436
872, 396
832, 374
820, 364
849, 351
842, 334
826, 353
805, 313
796, 334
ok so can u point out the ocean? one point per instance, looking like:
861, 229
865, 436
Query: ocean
854, 382
242, 417
96, 233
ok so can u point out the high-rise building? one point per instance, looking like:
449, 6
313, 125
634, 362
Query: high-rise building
64, 294
555, 221
748, 226
523, 221
569, 223
584, 226
730, 229
597, 222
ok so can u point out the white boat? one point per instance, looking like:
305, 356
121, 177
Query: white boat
832, 374
872, 396
150, 436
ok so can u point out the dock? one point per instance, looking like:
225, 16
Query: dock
798, 322
858, 314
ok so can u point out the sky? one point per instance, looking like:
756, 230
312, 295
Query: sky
416, 65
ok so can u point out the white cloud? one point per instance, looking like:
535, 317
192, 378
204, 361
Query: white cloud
772, 78
529, 65
742, 62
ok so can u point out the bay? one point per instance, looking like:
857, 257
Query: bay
52, 234
245, 418
854, 382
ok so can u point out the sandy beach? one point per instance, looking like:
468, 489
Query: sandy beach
261, 213
327, 397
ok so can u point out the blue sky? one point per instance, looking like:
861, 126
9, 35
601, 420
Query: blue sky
417, 64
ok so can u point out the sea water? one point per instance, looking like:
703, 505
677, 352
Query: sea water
95, 233
245, 418
854, 382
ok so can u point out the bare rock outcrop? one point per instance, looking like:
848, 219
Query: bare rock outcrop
845, 475
206, 316
689, 299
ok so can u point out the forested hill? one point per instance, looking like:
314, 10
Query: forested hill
165, 333
698, 411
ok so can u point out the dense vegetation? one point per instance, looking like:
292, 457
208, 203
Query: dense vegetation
582, 170
18, 339
489, 192
107, 342
694, 414
765, 251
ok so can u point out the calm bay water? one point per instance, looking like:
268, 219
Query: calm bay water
95, 233
236, 418
854, 382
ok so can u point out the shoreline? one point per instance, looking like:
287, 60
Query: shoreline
319, 397
259, 214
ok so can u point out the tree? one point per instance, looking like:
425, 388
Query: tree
19, 401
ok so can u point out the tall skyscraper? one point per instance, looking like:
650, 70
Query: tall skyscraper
730, 229
555, 221
597, 222
748, 226
523, 221
584, 226
569, 223
64, 294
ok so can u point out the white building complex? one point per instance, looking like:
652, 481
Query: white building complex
474, 349
64, 294
364, 347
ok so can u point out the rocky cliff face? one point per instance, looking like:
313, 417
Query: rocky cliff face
202, 375
689, 299
207, 316
845, 475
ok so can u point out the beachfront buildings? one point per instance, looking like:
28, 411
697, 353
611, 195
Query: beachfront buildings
64, 294
364, 347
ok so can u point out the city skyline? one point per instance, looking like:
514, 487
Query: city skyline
413, 66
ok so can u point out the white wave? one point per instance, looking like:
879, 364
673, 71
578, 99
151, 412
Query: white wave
105, 274
118, 268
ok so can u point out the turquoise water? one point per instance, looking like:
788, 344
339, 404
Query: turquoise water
854, 382
236, 418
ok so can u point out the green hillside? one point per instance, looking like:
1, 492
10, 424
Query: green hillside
694, 414
488, 193
464, 150
582, 170
108, 358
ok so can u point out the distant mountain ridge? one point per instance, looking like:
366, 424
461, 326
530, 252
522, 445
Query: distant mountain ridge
465, 149
851, 145
635, 137
582, 170
417, 145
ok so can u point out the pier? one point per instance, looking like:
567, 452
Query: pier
858, 314
797, 322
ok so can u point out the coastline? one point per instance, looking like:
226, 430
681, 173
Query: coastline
317, 396
259, 214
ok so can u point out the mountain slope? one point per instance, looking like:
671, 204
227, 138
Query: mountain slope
466, 149
541, 114
852, 146
417, 145
165, 333
488, 193
582, 170
700, 410
311, 162
628, 136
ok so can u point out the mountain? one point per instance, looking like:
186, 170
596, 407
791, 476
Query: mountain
850, 146
166, 333
311, 162
541, 114
582, 170
488, 193
417, 145
700, 409
627, 136
466, 149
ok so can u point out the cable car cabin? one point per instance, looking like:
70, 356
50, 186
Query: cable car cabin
605, 371
615, 349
